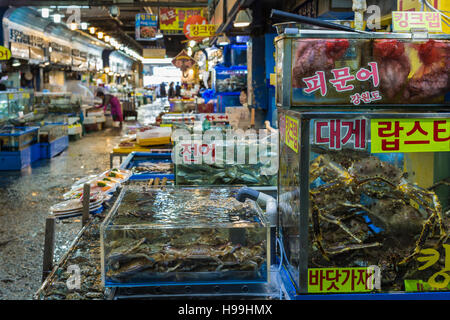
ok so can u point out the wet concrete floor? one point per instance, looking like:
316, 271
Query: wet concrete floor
25, 199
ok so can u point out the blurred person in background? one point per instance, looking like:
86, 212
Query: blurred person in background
171, 91
178, 90
114, 103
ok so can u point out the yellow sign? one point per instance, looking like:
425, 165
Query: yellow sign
404, 21
419, 285
202, 30
409, 5
5, 53
173, 18
440, 279
292, 133
26, 95
11, 96
332, 280
410, 135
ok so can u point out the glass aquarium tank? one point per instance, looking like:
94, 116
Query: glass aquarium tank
14, 138
250, 162
4, 110
175, 236
364, 201
51, 131
230, 79
58, 102
326, 68
12, 103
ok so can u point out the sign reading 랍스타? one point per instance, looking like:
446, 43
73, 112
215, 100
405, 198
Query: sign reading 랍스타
292, 133
410, 135
333, 280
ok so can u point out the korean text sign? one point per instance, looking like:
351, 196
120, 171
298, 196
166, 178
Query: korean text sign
343, 81
292, 133
202, 30
338, 133
332, 280
410, 135
404, 21
174, 18
146, 25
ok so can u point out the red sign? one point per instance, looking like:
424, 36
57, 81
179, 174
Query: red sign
193, 21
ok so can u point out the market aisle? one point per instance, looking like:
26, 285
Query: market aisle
25, 200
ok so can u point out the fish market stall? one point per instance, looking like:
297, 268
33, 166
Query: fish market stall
364, 185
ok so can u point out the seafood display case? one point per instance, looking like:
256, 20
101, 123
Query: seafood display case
176, 236
251, 162
14, 102
147, 165
369, 70
364, 202
57, 102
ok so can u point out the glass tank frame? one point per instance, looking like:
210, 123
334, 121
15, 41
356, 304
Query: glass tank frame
242, 235
312, 193
13, 102
320, 57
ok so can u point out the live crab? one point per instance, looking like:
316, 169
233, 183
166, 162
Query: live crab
338, 199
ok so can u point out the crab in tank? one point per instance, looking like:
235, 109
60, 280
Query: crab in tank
362, 203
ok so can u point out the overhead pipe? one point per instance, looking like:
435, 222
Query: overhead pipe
312, 21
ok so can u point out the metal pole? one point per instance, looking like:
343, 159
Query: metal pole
313, 21
86, 202
49, 246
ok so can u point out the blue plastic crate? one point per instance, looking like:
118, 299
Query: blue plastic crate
52, 149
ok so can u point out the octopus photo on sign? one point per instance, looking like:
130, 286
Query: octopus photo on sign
316, 55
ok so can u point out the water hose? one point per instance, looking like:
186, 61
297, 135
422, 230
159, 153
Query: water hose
263, 200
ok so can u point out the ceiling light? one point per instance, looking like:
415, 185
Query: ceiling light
92, 30
73, 26
45, 12
243, 19
106, 69
223, 40
57, 18
192, 43
189, 51
158, 35
100, 35
107, 38
84, 25
16, 63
